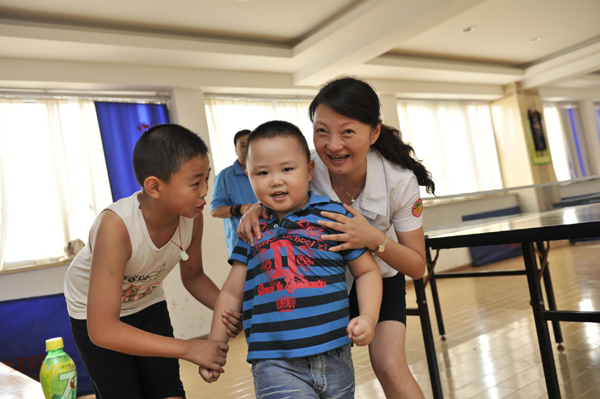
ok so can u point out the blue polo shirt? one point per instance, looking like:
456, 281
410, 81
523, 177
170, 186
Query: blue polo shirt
232, 187
295, 296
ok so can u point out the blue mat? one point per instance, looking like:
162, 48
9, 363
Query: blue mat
26, 324
487, 254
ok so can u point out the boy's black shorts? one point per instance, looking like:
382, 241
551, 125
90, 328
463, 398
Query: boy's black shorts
393, 302
117, 375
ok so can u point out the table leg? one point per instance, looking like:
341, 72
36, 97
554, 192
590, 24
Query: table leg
541, 325
434, 373
437, 306
558, 338
436, 299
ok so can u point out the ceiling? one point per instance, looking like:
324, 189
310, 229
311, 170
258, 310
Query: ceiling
408, 48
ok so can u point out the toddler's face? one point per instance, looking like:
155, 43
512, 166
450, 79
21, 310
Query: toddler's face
279, 174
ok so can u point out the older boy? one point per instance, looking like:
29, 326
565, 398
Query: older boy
292, 289
113, 287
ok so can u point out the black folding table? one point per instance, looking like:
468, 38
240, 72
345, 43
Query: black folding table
530, 230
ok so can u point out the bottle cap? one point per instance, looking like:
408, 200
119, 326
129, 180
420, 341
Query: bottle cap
54, 343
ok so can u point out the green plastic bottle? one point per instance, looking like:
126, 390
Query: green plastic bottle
58, 375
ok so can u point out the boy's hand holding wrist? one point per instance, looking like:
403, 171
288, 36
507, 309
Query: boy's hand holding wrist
208, 354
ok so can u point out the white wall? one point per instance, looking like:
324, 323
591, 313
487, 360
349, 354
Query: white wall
32, 283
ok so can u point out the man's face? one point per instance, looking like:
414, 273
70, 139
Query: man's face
240, 150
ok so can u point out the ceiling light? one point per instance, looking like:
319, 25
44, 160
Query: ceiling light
535, 39
468, 29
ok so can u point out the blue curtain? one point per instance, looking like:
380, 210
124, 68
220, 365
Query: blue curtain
121, 125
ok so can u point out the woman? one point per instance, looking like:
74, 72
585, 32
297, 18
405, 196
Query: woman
364, 164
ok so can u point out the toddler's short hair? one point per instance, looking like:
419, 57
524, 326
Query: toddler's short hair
162, 151
272, 129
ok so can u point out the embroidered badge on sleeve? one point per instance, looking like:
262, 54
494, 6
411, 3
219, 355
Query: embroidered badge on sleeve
417, 208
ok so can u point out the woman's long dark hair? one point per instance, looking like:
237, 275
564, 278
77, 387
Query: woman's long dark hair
356, 99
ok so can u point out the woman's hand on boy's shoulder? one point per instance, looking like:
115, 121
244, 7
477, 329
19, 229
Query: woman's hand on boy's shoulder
249, 226
354, 232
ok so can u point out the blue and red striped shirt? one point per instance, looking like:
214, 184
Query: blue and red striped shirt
295, 295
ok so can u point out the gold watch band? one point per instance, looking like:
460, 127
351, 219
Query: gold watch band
381, 247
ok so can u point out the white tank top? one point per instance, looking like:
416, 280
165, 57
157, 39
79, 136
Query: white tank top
144, 271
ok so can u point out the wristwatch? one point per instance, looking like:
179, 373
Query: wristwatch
381, 246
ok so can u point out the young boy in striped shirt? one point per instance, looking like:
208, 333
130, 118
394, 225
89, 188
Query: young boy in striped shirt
292, 290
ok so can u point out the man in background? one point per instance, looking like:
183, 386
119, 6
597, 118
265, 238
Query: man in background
233, 195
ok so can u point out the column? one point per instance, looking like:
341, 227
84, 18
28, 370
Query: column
389, 110
520, 163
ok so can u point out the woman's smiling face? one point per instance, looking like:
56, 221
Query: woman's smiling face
341, 142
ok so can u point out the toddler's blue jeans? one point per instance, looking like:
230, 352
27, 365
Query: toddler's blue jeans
328, 375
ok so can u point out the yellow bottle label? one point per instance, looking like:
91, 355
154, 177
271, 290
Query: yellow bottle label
59, 381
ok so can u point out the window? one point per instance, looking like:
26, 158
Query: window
228, 115
558, 147
597, 109
569, 155
455, 142
53, 178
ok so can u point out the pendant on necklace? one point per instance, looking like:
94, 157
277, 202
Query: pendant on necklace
352, 201
184, 255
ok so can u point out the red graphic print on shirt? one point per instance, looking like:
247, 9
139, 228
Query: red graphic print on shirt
293, 272
266, 265
313, 232
305, 258
285, 303
263, 226
304, 224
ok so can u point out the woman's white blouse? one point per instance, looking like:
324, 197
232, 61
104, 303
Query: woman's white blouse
390, 198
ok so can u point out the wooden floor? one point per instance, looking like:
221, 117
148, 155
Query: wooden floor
491, 348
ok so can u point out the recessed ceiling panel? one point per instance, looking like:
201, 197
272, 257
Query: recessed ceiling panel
273, 21
507, 31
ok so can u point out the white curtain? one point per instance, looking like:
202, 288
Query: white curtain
456, 143
227, 116
5, 112
54, 179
